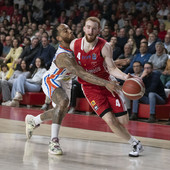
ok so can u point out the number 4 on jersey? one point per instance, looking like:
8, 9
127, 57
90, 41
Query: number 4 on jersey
78, 55
117, 103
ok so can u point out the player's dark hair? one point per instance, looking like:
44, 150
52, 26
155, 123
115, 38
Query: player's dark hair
55, 32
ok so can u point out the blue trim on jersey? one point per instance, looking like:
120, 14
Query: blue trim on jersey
47, 84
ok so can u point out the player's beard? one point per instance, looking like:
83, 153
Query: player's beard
91, 39
68, 39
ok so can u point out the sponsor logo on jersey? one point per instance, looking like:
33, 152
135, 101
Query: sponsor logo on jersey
93, 102
94, 56
86, 57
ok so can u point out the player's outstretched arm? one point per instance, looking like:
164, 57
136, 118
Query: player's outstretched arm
107, 53
65, 61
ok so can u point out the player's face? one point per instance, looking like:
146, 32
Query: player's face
66, 33
91, 30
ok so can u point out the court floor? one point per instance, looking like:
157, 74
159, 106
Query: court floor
85, 147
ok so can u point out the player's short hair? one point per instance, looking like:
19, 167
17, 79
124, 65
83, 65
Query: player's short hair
94, 19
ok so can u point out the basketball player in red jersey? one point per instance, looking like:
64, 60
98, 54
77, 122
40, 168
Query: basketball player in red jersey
94, 54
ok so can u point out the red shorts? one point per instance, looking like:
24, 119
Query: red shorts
102, 101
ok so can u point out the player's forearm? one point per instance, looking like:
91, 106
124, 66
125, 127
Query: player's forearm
90, 78
118, 74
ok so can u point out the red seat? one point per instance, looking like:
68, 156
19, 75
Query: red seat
33, 98
161, 111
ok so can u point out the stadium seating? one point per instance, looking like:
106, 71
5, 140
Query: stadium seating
162, 111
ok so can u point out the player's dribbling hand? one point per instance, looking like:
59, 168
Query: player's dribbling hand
128, 76
113, 86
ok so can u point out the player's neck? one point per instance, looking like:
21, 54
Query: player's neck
89, 45
65, 45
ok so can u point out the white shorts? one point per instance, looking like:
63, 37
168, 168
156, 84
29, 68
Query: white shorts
49, 88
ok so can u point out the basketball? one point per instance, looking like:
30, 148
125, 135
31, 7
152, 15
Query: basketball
133, 88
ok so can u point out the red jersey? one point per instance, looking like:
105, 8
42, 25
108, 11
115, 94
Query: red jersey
92, 61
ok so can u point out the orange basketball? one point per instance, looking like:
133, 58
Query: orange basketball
133, 88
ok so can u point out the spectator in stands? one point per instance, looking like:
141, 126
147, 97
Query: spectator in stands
165, 77
106, 34
26, 42
124, 59
22, 84
7, 85
167, 22
29, 52
160, 58
142, 57
2, 38
38, 3
151, 43
62, 18
154, 21
116, 49
4, 16
167, 43
122, 38
148, 30
121, 21
131, 33
13, 55
45, 52
95, 11
132, 42
162, 31
1, 48
138, 37
163, 12
37, 14
154, 92
3, 72
6, 48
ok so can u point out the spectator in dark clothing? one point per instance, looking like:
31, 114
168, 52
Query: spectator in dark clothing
142, 57
151, 43
1, 48
45, 52
29, 52
116, 50
154, 92
138, 37
122, 39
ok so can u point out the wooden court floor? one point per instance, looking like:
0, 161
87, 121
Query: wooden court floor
87, 142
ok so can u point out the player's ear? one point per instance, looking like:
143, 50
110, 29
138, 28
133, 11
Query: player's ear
84, 28
59, 38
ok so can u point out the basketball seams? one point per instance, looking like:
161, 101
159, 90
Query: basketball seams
140, 84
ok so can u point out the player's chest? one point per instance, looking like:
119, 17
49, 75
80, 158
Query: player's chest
89, 59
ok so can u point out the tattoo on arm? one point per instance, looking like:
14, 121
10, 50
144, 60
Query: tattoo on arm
65, 61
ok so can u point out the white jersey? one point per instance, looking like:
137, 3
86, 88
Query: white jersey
55, 73
55, 77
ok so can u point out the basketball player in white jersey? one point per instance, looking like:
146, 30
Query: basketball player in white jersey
57, 85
